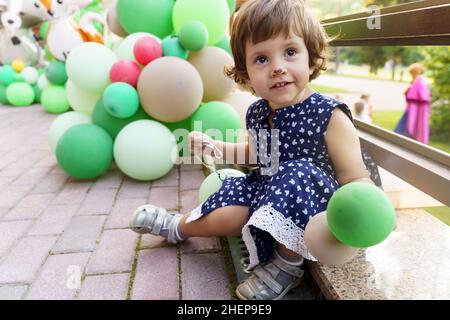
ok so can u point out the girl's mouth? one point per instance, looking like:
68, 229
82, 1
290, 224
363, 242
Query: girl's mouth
281, 85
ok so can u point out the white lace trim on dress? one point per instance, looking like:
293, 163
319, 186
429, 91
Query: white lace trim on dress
283, 230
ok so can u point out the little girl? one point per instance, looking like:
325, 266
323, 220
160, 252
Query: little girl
303, 143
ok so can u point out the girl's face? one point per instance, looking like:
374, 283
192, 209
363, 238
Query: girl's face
278, 70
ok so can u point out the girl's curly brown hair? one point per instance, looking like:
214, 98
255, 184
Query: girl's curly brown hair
260, 20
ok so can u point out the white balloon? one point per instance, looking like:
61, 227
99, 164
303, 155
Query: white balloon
81, 100
125, 51
30, 75
43, 82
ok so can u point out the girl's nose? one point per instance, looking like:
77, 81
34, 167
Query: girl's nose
278, 71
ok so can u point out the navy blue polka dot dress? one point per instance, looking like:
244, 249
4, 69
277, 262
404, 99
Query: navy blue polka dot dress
294, 181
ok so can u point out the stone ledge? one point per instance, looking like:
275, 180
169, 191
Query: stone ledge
412, 263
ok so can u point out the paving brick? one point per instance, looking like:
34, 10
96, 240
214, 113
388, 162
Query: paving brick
203, 244
53, 182
5, 181
133, 189
12, 292
191, 180
23, 262
53, 220
48, 161
123, 210
188, 200
10, 233
60, 277
3, 211
150, 241
98, 202
32, 176
111, 180
191, 167
115, 252
105, 287
156, 275
169, 180
30, 207
80, 235
73, 193
204, 277
166, 197
11, 195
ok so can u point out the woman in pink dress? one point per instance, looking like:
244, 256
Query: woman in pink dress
418, 107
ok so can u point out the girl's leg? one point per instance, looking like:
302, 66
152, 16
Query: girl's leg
225, 221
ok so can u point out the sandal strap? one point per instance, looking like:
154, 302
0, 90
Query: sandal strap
159, 221
172, 237
293, 270
268, 280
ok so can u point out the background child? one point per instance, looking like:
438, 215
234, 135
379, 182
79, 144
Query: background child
303, 143
361, 112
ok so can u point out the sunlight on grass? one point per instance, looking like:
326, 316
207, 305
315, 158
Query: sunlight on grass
441, 213
326, 89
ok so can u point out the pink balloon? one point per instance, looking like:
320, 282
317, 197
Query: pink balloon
125, 71
147, 49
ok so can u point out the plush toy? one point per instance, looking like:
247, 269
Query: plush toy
16, 42
64, 33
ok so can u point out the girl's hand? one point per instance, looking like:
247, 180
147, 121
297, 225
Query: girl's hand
198, 142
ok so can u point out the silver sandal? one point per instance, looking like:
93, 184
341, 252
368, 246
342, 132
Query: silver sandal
261, 285
153, 220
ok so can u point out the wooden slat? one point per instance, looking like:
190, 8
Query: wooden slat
421, 23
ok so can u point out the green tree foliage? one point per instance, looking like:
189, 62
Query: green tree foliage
437, 61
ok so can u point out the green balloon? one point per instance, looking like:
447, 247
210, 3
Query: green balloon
20, 94
3, 98
181, 131
121, 100
111, 124
214, 181
213, 14
56, 73
7, 75
360, 215
85, 151
54, 99
172, 47
146, 16
43, 30
216, 119
37, 94
224, 44
64, 122
231, 6
193, 36
145, 150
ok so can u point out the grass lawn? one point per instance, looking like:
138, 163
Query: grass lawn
388, 120
326, 89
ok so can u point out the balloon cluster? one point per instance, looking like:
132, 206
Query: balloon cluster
145, 97
19, 84
53, 85
359, 215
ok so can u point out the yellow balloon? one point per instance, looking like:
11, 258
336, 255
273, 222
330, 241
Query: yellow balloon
18, 65
323, 245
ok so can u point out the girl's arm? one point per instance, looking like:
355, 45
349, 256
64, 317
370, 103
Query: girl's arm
344, 149
241, 153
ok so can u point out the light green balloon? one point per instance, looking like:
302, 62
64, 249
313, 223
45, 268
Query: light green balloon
193, 36
20, 94
43, 82
125, 51
214, 14
224, 44
64, 122
172, 48
88, 66
145, 150
214, 181
3, 98
81, 100
30, 75
54, 99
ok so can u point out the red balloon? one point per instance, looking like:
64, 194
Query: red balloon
147, 49
125, 71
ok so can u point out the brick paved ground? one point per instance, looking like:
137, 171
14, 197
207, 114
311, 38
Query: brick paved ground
67, 239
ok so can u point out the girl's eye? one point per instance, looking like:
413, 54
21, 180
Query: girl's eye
291, 52
261, 60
